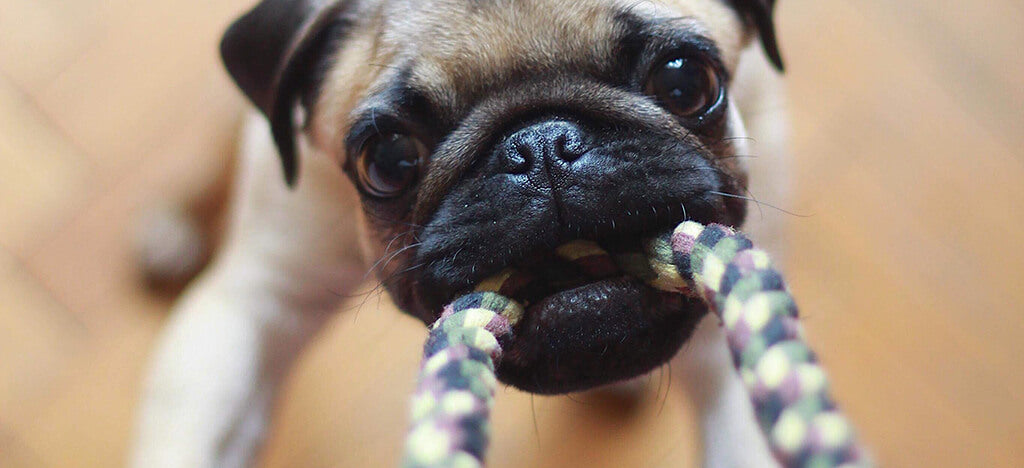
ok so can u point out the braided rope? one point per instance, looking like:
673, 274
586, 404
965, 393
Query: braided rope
788, 388
452, 405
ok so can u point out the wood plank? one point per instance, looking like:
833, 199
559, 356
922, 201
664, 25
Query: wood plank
39, 339
973, 53
46, 178
40, 38
898, 358
16, 455
90, 422
141, 82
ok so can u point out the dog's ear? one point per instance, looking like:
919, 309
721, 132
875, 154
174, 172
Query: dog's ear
272, 53
761, 14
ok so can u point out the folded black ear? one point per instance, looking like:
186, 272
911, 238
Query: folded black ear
272, 52
761, 14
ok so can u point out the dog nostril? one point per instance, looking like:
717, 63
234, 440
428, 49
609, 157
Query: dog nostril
518, 158
567, 150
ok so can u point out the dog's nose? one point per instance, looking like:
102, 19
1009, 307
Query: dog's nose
551, 140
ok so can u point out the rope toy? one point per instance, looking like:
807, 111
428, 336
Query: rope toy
787, 386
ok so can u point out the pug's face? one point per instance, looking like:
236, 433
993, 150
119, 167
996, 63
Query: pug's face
484, 134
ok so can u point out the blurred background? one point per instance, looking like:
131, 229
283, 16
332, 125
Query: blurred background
908, 137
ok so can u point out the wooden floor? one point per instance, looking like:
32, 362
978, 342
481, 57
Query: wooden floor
909, 138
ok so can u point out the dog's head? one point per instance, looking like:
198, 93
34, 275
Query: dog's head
483, 134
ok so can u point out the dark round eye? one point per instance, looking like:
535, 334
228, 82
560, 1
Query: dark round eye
390, 164
687, 87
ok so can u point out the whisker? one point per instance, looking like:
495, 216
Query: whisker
578, 401
389, 255
661, 381
536, 427
396, 254
668, 389
387, 250
720, 171
381, 287
759, 203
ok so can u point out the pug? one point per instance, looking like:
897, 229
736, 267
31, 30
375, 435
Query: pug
438, 142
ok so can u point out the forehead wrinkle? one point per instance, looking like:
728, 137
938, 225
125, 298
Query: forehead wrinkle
469, 42
499, 41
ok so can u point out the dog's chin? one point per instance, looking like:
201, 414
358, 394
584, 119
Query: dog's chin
596, 333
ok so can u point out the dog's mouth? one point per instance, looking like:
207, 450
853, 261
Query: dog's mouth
589, 319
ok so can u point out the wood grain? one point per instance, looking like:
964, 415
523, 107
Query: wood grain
908, 138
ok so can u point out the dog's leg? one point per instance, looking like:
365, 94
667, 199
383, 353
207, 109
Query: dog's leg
288, 259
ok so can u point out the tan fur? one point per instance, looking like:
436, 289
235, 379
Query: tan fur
236, 332
462, 48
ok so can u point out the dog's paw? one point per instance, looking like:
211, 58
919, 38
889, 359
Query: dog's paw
169, 247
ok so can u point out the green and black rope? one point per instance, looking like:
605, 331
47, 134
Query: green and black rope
788, 388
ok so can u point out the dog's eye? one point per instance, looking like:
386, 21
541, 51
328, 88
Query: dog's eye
390, 164
687, 87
